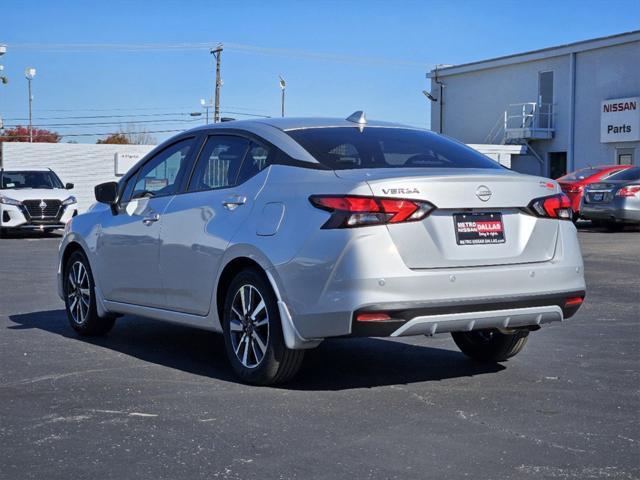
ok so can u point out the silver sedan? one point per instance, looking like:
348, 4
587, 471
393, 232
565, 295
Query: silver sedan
615, 202
280, 233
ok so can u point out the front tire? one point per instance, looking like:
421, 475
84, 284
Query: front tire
253, 332
80, 298
490, 345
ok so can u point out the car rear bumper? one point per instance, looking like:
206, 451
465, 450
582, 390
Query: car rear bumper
618, 210
464, 316
323, 299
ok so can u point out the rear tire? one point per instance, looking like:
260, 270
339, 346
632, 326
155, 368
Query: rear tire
253, 333
80, 298
490, 345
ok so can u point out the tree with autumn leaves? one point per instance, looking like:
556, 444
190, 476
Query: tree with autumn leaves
21, 134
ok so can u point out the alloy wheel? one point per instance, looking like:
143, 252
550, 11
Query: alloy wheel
249, 326
78, 292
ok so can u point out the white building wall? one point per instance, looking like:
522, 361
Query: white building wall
84, 165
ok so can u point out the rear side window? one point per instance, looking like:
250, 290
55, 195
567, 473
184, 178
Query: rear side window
219, 163
580, 174
629, 174
344, 148
256, 160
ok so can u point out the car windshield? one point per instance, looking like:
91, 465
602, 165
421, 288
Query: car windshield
580, 174
13, 180
629, 174
344, 148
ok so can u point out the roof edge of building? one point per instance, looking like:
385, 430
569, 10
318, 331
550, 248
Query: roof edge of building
532, 55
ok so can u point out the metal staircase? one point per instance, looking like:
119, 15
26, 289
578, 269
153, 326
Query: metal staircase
521, 123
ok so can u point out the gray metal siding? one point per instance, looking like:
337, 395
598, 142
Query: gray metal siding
475, 100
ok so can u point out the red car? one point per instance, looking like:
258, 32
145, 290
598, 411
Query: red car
573, 183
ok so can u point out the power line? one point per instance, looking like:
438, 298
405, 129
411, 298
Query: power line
236, 47
90, 124
100, 134
91, 117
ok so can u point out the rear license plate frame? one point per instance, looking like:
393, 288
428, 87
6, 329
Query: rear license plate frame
468, 232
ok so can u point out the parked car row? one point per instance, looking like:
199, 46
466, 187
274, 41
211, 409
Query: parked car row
608, 195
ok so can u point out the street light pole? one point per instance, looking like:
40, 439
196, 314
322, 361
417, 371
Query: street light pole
283, 86
29, 73
217, 53
3, 80
206, 107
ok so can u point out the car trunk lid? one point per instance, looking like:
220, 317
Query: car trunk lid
467, 198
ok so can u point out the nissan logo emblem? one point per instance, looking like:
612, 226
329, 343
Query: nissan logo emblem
483, 193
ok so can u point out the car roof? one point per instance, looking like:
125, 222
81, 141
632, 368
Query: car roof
298, 123
26, 169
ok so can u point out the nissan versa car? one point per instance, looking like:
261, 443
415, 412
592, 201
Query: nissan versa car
280, 233
34, 199
615, 201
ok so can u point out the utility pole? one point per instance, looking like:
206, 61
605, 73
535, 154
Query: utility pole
29, 73
283, 86
217, 52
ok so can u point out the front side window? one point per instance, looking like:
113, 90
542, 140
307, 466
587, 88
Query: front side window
162, 174
19, 179
219, 163
343, 148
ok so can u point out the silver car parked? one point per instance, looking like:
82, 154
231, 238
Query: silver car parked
614, 202
280, 233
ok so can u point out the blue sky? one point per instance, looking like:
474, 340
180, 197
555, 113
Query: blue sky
336, 56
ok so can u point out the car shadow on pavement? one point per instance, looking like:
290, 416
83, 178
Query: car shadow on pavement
337, 364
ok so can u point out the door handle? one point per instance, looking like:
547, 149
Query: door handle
152, 218
234, 201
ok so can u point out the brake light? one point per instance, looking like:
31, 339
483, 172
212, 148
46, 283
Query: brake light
372, 317
350, 211
573, 301
554, 206
573, 189
629, 191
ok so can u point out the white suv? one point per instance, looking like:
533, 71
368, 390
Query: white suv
34, 199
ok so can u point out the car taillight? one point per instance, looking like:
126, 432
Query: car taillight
573, 189
350, 211
554, 206
629, 191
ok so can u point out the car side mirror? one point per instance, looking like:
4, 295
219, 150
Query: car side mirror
107, 193
69, 186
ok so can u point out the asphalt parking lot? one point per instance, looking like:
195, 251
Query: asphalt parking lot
155, 400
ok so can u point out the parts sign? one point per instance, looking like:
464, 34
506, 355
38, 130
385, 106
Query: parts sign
620, 120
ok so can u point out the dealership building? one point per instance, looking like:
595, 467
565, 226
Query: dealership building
568, 106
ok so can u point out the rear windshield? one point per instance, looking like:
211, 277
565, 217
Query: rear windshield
579, 174
629, 174
28, 179
345, 148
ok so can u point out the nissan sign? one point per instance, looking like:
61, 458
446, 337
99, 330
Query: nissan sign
620, 120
